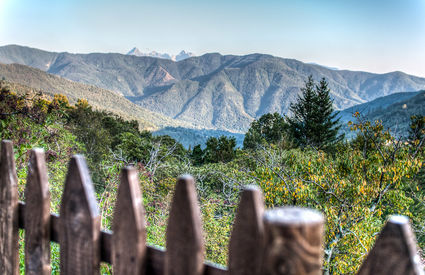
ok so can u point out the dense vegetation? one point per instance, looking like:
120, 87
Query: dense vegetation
357, 184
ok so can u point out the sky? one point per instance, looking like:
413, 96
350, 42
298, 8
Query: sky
377, 36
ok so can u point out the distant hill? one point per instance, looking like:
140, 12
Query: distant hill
393, 110
397, 115
214, 91
376, 104
24, 79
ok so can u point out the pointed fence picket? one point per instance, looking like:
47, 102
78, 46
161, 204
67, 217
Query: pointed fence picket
37, 218
285, 240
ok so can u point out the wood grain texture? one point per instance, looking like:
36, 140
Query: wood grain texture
155, 256
9, 226
294, 239
247, 241
129, 237
394, 252
185, 245
37, 218
79, 222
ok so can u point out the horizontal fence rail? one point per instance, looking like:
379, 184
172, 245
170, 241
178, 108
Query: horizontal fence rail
285, 240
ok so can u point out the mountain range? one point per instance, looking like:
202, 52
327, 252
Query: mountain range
212, 91
181, 56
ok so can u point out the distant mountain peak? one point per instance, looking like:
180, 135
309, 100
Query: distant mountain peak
135, 51
181, 56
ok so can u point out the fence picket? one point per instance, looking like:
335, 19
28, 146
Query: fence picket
395, 251
247, 241
9, 226
285, 240
185, 245
129, 237
79, 222
37, 216
294, 239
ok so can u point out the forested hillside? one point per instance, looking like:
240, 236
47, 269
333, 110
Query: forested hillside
224, 92
24, 79
356, 184
394, 111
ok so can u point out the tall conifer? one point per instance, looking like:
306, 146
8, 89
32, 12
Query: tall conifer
313, 122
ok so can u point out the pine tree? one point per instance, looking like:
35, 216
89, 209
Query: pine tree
313, 122
300, 124
327, 124
197, 155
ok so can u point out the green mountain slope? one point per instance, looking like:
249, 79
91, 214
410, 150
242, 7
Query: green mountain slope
393, 110
397, 116
212, 91
26, 79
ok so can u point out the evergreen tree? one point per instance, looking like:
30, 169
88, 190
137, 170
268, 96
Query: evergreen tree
313, 122
326, 122
197, 155
221, 149
417, 129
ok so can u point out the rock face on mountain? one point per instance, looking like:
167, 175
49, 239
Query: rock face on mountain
212, 91
181, 56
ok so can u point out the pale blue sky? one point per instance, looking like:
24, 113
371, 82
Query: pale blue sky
371, 35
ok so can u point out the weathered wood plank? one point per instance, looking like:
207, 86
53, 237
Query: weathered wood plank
394, 252
129, 237
9, 230
37, 218
79, 222
293, 241
247, 241
185, 245
154, 259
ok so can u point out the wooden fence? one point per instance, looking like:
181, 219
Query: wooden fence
278, 241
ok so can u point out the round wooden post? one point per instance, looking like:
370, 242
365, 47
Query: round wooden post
294, 239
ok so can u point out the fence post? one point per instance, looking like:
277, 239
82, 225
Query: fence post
79, 222
247, 241
129, 237
185, 245
395, 250
9, 226
294, 239
37, 216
